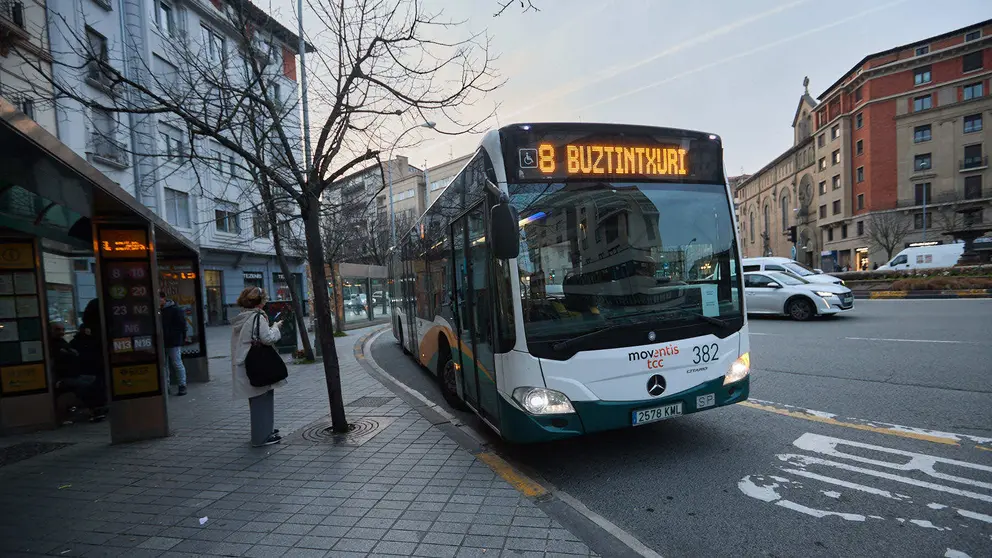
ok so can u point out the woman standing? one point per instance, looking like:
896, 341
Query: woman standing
260, 399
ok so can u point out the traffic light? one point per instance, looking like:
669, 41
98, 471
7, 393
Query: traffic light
792, 234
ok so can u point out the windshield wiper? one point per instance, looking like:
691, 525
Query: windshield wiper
562, 345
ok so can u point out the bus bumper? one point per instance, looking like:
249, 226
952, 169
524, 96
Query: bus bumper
596, 416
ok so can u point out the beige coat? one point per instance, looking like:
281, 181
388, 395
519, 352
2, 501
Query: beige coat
244, 323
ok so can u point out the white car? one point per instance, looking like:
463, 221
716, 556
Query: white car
788, 266
774, 292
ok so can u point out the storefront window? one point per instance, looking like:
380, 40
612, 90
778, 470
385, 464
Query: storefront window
254, 279
178, 282
281, 287
213, 282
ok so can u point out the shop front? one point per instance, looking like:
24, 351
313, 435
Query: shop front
59, 215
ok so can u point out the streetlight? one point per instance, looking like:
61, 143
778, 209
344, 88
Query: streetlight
389, 174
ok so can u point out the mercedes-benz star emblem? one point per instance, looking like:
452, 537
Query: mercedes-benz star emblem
652, 336
656, 385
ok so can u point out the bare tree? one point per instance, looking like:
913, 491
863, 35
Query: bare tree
378, 65
525, 5
887, 231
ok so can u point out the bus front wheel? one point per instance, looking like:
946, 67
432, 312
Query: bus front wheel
448, 378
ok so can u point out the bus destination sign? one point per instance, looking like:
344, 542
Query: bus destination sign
540, 152
578, 159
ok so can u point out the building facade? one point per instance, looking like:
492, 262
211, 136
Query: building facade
781, 195
26, 60
905, 146
209, 196
893, 153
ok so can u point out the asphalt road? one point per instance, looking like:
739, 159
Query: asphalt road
816, 467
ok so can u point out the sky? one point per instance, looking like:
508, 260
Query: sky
730, 67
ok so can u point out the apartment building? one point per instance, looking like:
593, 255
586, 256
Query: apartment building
350, 199
26, 61
896, 145
901, 144
210, 197
781, 195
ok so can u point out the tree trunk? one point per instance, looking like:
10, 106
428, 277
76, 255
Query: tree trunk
322, 311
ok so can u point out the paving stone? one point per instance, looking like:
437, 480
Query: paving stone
410, 491
310, 541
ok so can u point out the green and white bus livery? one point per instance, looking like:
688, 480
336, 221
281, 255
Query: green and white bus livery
576, 278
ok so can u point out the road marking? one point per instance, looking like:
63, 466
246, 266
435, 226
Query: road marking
501, 467
910, 340
905, 468
624, 537
935, 436
518, 480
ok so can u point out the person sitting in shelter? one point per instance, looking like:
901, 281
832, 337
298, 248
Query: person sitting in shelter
83, 385
90, 362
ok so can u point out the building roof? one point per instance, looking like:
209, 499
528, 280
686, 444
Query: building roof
270, 24
375, 167
775, 161
894, 50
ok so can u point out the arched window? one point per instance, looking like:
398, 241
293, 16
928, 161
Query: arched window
750, 226
767, 221
785, 212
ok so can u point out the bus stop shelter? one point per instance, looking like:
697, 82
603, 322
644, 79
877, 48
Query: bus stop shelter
52, 201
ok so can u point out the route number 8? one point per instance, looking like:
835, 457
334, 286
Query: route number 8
546, 158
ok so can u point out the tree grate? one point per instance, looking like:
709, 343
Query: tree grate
359, 432
371, 402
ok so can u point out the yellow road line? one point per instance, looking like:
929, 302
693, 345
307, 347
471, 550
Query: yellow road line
854, 425
517, 480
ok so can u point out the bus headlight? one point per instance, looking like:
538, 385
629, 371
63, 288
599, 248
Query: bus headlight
738, 370
542, 401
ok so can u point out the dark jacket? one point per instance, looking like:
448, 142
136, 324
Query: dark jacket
173, 325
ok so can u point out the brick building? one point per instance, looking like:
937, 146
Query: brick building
898, 145
901, 146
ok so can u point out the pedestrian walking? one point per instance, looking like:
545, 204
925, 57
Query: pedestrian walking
174, 337
251, 327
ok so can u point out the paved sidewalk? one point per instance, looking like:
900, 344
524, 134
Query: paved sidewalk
407, 491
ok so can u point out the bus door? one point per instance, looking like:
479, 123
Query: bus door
463, 356
477, 324
409, 302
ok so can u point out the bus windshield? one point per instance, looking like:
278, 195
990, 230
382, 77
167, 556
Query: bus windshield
660, 257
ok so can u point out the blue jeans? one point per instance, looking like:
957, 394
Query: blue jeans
175, 357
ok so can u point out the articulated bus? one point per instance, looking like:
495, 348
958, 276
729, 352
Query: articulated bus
577, 278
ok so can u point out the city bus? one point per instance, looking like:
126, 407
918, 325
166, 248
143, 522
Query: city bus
577, 278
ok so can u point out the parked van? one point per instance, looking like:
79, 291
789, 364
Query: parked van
923, 257
788, 266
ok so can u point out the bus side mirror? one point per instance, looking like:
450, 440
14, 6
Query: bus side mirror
505, 231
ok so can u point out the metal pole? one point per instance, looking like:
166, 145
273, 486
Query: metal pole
303, 89
427, 189
925, 196
392, 215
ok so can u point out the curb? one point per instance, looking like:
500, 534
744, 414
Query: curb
599, 534
965, 293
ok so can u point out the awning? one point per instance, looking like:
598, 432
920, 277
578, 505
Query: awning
48, 190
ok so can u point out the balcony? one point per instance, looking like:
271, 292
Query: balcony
12, 27
971, 164
97, 77
108, 151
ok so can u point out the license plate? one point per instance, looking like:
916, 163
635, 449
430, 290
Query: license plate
658, 413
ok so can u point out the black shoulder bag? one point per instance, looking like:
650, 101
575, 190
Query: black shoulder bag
263, 364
